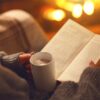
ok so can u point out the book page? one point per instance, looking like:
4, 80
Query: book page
66, 44
91, 52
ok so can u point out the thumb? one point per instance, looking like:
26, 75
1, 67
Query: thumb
91, 64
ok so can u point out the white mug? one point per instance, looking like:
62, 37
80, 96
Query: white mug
43, 71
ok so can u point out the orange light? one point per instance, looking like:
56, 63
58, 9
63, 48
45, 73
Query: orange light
54, 14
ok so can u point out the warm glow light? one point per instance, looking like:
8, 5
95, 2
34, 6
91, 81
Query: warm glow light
58, 15
60, 3
88, 7
53, 14
65, 4
77, 11
68, 6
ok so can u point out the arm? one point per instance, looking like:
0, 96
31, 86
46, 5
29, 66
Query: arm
12, 87
16, 62
19, 64
88, 87
65, 91
89, 84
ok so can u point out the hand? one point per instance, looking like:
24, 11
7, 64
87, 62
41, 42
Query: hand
24, 57
97, 64
12, 87
18, 62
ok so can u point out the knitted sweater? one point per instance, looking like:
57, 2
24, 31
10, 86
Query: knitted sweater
88, 87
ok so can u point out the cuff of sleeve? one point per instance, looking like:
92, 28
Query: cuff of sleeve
65, 90
2, 53
12, 62
92, 75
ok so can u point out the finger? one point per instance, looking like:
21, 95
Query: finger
92, 64
24, 57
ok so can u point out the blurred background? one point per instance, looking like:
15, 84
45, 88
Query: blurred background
52, 14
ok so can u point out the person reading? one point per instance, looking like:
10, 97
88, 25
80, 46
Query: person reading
15, 73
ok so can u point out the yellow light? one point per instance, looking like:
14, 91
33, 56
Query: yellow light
88, 7
58, 15
60, 3
68, 6
65, 4
77, 11
53, 14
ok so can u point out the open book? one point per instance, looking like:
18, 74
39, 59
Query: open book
72, 48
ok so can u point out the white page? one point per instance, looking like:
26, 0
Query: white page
66, 44
90, 52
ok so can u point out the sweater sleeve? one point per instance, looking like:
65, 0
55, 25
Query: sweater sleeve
2, 53
91, 75
12, 62
65, 91
89, 85
12, 87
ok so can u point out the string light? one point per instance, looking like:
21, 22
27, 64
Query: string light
77, 11
76, 7
54, 14
88, 7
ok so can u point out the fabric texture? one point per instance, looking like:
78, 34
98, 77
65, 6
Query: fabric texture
12, 62
12, 87
10, 41
19, 31
88, 88
2, 53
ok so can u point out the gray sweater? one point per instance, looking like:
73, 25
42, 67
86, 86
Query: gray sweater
88, 87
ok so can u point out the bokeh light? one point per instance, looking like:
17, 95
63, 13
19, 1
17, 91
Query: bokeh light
77, 11
88, 7
54, 14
